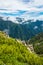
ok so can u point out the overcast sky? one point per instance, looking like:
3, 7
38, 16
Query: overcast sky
22, 8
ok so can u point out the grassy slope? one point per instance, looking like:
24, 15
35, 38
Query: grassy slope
15, 53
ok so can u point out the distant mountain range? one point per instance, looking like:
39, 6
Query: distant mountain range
23, 30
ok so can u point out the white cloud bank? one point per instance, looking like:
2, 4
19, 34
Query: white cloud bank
32, 8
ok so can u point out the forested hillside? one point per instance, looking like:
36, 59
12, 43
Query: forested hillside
22, 31
37, 42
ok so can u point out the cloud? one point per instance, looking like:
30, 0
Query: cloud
13, 5
22, 8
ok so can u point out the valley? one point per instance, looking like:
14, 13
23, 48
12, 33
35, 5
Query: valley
21, 44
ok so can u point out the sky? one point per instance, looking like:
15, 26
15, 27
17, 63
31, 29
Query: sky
28, 9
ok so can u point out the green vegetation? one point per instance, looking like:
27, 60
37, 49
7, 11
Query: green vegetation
13, 52
37, 42
21, 31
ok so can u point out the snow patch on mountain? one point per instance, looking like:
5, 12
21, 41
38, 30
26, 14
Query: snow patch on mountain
35, 27
18, 20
